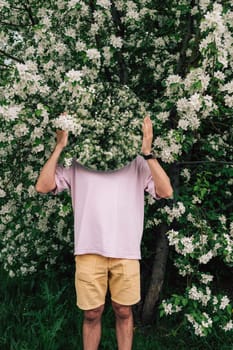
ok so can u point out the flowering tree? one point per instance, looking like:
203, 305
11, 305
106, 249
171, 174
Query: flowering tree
105, 64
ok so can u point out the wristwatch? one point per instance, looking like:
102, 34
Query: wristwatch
151, 155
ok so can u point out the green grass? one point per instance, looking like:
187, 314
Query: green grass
39, 313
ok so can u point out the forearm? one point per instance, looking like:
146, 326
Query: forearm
46, 180
161, 180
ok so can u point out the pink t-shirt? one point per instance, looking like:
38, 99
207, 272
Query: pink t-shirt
108, 207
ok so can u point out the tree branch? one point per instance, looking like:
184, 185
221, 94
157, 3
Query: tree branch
194, 162
14, 25
181, 66
2, 65
17, 8
120, 30
30, 14
11, 57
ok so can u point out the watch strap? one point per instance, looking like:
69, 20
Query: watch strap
149, 156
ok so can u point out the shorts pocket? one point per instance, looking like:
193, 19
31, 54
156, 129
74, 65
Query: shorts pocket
85, 277
131, 269
85, 268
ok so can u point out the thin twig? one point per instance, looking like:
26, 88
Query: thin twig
204, 162
2, 65
14, 25
30, 14
11, 57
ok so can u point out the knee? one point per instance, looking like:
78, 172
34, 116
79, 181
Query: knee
122, 311
94, 315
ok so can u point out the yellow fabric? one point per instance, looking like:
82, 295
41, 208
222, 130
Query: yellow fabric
95, 273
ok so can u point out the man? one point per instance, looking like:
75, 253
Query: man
108, 219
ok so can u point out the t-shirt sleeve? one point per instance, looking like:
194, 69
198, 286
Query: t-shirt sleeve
149, 185
62, 179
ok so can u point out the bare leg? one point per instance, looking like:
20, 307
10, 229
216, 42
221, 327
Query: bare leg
124, 326
92, 328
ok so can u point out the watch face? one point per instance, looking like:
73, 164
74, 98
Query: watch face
107, 133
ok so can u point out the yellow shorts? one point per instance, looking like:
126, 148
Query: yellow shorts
95, 273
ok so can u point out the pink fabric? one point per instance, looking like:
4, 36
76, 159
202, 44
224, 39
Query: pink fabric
108, 207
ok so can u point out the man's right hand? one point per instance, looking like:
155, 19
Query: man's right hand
62, 138
46, 180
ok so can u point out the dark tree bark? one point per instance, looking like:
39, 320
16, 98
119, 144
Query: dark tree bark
158, 272
160, 258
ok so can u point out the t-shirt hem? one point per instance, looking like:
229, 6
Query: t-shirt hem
107, 255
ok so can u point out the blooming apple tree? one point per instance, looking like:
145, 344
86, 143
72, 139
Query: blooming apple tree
95, 68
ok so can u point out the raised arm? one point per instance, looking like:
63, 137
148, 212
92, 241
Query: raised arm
46, 180
161, 180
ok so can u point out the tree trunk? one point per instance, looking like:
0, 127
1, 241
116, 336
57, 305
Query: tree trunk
161, 256
158, 272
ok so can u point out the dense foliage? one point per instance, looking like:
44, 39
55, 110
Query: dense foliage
107, 63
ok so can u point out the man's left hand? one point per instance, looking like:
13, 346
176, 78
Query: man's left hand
147, 129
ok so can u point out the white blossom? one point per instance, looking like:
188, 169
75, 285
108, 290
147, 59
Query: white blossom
224, 302
219, 75
173, 237
104, 3
74, 75
228, 326
93, 54
199, 327
116, 41
204, 4
2, 193
167, 149
228, 99
231, 228
38, 149
206, 278
167, 308
186, 174
11, 273
175, 212
196, 102
20, 130
188, 246
107, 54
162, 116
205, 258
10, 113
173, 79
72, 3
196, 200
207, 322
80, 46
37, 133
222, 219
70, 32
68, 123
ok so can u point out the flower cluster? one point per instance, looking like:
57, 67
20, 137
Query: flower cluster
202, 328
218, 39
106, 125
175, 212
202, 321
